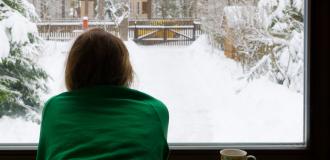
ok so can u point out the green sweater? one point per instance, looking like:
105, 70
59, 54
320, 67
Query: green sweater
104, 122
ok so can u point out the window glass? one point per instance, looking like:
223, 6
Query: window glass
229, 71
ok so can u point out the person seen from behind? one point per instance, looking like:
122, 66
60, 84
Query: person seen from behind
100, 116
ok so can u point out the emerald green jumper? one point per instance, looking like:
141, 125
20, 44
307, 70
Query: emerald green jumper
104, 122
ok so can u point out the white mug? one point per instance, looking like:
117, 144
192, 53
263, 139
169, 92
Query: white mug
235, 154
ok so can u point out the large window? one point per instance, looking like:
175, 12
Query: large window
230, 72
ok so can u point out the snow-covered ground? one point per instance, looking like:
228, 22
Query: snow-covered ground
201, 88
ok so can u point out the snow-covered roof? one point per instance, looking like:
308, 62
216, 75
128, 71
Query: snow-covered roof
239, 15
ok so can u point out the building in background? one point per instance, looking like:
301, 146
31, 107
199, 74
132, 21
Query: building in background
140, 9
87, 8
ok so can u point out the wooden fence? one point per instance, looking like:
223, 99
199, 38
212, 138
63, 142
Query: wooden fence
59, 36
62, 36
164, 32
144, 32
64, 30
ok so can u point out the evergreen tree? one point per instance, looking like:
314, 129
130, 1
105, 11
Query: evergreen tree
21, 79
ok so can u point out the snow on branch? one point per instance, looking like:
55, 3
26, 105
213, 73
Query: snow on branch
116, 11
256, 70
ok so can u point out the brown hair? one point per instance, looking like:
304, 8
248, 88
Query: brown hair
98, 58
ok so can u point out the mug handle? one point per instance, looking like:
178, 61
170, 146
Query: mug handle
251, 157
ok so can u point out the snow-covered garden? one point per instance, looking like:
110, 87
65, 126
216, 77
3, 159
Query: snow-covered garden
202, 90
211, 98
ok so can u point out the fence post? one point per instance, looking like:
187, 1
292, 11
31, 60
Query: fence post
165, 34
123, 29
135, 32
194, 31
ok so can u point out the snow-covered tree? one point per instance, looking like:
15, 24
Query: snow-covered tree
73, 10
212, 14
45, 8
175, 8
212, 18
274, 45
21, 80
284, 22
55, 9
267, 37
116, 10
242, 27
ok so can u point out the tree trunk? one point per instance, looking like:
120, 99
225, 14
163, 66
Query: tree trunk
63, 8
149, 9
101, 9
86, 8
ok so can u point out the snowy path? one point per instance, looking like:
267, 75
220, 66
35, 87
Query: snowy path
208, 104
200, 88
175, 79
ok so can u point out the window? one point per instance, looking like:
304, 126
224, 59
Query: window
234, 76
144, 7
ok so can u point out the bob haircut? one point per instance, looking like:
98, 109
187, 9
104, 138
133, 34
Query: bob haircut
98, 58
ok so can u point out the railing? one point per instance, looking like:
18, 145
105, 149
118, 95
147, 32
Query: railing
59, 36
70, 20
70, 26
62, 36
67, 29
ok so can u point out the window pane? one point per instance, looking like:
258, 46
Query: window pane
229, 71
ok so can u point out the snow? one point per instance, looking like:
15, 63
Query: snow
265, 8
201, 88
280, 26
299, 4
288, 35
263, 62
19, 28
4, 43
116, 11
239, 15
295, 44
53, 61
18, 131
201, 91
14, 27
30, 11
297, 69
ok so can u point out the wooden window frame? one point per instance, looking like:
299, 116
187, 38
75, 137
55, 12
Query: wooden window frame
318, 141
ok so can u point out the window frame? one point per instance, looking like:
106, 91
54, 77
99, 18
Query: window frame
317, 124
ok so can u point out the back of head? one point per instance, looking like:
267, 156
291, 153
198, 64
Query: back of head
98, 58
